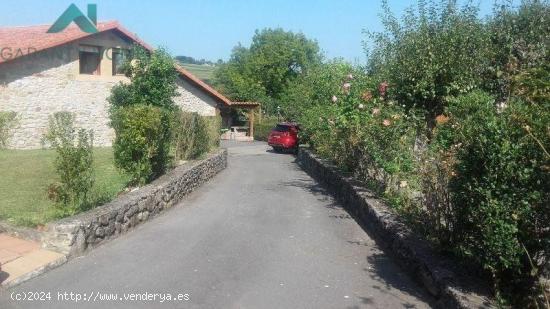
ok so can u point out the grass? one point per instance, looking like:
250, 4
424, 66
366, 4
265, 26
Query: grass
204, 72
26, 175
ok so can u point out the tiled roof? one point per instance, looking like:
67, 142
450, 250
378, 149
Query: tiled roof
37, 39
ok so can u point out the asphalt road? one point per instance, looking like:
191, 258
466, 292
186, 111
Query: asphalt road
261, 234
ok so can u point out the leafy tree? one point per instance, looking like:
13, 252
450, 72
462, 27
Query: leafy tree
263, 71
520, 44
314, 87
153, 80
141, 114
431, 54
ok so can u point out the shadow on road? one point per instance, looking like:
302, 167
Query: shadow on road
383, 266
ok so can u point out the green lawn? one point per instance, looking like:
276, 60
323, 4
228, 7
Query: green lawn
26, 174
204, 72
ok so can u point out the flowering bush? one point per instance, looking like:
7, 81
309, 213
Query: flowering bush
450, 120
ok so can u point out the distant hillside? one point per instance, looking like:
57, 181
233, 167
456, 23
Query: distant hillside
204, 72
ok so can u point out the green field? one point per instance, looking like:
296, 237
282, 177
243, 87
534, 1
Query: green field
26, 175
204, 72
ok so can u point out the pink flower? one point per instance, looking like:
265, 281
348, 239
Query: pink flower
386, 122
334, 99
346, 87
382, 88
375, 111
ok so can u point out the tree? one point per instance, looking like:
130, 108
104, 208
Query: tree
263, 71
140, 114
430, 54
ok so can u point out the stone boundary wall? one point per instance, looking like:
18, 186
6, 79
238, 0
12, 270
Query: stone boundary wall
441, 276
76, 234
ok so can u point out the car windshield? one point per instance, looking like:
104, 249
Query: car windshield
281, 128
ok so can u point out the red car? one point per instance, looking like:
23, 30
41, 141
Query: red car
284, 137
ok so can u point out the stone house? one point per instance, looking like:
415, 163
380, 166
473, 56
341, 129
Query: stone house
42, 73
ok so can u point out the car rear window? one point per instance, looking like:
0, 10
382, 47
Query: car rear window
281, 128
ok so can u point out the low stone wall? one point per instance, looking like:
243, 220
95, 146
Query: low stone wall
441, 276
74, 235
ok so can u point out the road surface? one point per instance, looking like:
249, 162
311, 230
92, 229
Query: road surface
261, 234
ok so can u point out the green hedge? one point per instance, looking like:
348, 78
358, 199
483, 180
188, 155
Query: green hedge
194, 135
141, 145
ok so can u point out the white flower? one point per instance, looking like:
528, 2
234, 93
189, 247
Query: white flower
501, 107
361, 106
334, 99
134, 63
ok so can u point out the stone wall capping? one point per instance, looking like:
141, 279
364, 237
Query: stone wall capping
440, 275
74, 235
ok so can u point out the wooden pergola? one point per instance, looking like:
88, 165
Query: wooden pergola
251, 107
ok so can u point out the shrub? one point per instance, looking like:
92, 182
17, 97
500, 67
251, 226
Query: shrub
519, 39
141, 143
194, 135
201, 143
8, 120
140, 114
499, 187
213, 125
262, 129
73, 163
428, 55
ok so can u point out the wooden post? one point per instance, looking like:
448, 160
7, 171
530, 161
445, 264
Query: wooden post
251, 123
260, 114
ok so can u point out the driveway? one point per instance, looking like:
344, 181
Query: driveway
261, 234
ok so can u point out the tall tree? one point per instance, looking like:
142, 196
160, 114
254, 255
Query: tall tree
263, 71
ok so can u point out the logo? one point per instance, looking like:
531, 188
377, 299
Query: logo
73, 13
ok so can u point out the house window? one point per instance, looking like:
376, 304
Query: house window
90, 60
119, 56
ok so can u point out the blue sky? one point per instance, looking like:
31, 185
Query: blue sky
210, 28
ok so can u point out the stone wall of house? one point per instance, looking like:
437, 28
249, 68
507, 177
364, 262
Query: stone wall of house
193, 99
40, 84
76, 234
